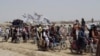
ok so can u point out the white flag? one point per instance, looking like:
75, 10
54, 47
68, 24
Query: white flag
24, 15
47, 21
30, 16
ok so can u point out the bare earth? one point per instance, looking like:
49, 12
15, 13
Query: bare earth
9, 53
29, 49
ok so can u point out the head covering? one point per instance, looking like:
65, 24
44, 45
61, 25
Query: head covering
40, 29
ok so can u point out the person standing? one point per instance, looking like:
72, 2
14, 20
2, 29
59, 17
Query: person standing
24, 35
98, 46
7, 34
69, 30
14, 35
0, 31
83, 24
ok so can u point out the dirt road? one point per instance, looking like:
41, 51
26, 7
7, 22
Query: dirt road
9, 53
29, 49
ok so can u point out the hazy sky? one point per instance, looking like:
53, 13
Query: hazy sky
52, 9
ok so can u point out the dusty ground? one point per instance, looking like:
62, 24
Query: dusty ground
9, 53
29, 49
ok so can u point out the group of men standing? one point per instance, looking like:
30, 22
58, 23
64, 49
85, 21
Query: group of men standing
53, 33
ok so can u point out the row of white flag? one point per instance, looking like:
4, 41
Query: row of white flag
29, 16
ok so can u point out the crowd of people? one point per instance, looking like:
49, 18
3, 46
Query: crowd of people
44, 36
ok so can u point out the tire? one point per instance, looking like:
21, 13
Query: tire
87, 50
92, 53
5, 39
64, 46
71, 50
17, 40
56, 47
